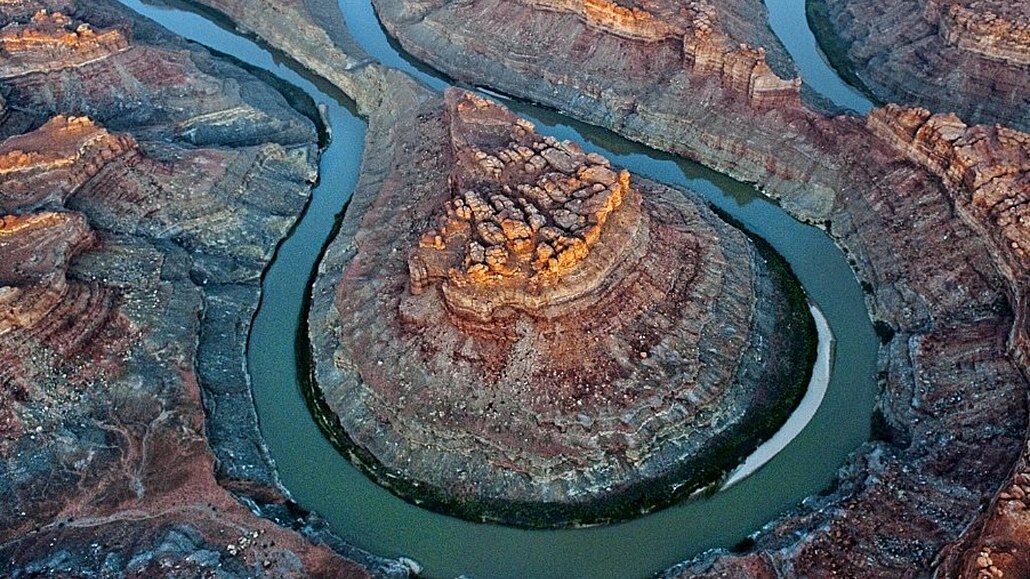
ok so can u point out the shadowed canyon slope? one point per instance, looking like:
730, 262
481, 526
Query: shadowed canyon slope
932, 212
962, 56
144, 185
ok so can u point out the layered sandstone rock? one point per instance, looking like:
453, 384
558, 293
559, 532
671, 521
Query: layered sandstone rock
48, 164
996, 29
626, 21
115, 319
986, 170
52, 42
565, 349
970, 58
954, 326
523, 228
742, 69
953, 399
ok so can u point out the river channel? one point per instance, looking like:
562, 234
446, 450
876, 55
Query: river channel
364, 514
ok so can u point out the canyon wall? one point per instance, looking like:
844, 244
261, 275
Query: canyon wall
139, 204
986, 170
998, 29
970, 58
953, 399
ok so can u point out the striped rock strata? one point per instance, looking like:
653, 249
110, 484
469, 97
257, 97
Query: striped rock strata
562, 343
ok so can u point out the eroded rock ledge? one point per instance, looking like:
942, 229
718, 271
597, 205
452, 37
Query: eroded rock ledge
933, 279
996, 29
970, 58
562, 344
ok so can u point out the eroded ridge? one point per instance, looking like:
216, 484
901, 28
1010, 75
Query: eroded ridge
53, 161
554, 382
523, 215
995, 29
706, 50
53, 41
985, 168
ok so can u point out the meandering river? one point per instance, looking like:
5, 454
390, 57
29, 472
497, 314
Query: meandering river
364, 514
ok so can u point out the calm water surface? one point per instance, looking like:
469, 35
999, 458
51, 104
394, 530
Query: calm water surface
372, 518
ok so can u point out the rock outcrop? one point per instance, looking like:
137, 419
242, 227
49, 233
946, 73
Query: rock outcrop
526, 213
996, 29
986, 170
626, 21
51, 41
970, 58
563, 345
953, 398
43, 167
123, 224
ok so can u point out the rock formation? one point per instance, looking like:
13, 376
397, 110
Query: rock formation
54, 41
970, 58
953, 399
521, 245
562, 344
933, 279
626, 21
996, 29
986, 170
120, 249
55, 160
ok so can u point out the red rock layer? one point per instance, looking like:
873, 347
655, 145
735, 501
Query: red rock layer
50, 163
555, 400
525, 217
626, 21
913, 53
996, 29
107, 464
987, 172
53, 42
706, 50
948, 369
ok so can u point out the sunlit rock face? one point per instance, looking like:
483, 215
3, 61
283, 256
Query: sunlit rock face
46, 165
523, 226
522, 332
52, 41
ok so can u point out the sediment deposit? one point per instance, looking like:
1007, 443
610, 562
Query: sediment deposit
970, 58
562, 343
143, 187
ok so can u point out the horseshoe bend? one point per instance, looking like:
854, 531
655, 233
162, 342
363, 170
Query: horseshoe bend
498, 324
521, 332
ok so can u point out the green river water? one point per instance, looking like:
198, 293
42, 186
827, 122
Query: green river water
364, 514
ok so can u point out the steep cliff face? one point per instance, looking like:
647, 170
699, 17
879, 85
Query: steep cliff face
919, 490
116, 247
43, 167
53, 42
986, 171
970, 58
995, 29
953, 399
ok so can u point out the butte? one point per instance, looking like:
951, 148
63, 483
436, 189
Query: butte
510, 329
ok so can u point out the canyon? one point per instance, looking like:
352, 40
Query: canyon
130, 261
140, 288
969, 58
952, 359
